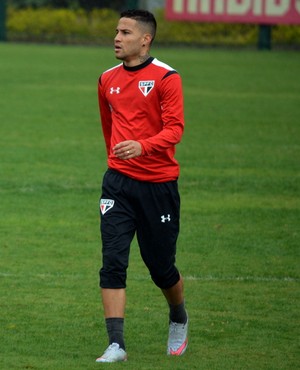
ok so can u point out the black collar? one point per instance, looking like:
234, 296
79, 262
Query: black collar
139, 66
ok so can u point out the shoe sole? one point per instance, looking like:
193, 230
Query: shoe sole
103, 360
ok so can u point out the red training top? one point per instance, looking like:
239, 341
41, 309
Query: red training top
143, 103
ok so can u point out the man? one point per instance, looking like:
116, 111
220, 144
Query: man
141, 108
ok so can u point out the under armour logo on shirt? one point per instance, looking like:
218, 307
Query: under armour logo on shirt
115, 90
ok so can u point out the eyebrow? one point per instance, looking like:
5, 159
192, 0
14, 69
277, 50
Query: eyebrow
123, 29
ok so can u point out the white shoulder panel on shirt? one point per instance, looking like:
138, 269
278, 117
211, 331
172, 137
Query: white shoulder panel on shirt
110, 69
161, 64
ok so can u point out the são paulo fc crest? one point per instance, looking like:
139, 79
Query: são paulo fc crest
146, 87
106, 205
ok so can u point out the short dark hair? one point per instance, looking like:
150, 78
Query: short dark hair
142, 16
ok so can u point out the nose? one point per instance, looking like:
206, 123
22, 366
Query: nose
117, 37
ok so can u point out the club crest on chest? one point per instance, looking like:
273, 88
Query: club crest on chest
146, 86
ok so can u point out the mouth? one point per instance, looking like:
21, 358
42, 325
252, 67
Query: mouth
117, 48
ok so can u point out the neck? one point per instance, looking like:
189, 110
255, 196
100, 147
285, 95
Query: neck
137, 61
143, 58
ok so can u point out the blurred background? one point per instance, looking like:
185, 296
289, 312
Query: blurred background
93, 22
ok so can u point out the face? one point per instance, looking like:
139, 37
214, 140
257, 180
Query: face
130, 41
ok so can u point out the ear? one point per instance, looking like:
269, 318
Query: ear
147, 39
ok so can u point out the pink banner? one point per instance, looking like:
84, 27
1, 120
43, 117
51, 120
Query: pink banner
235, 11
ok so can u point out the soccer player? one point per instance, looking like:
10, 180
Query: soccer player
141, 109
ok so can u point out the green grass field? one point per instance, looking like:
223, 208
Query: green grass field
239, 245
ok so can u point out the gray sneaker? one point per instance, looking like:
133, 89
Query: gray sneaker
178, 338
113, 353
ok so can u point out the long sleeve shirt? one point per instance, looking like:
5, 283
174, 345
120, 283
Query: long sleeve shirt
143, 103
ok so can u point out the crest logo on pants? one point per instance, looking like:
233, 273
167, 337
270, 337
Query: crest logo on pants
106, 205
146, 86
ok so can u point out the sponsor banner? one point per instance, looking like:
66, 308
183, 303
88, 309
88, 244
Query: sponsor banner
235, 11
